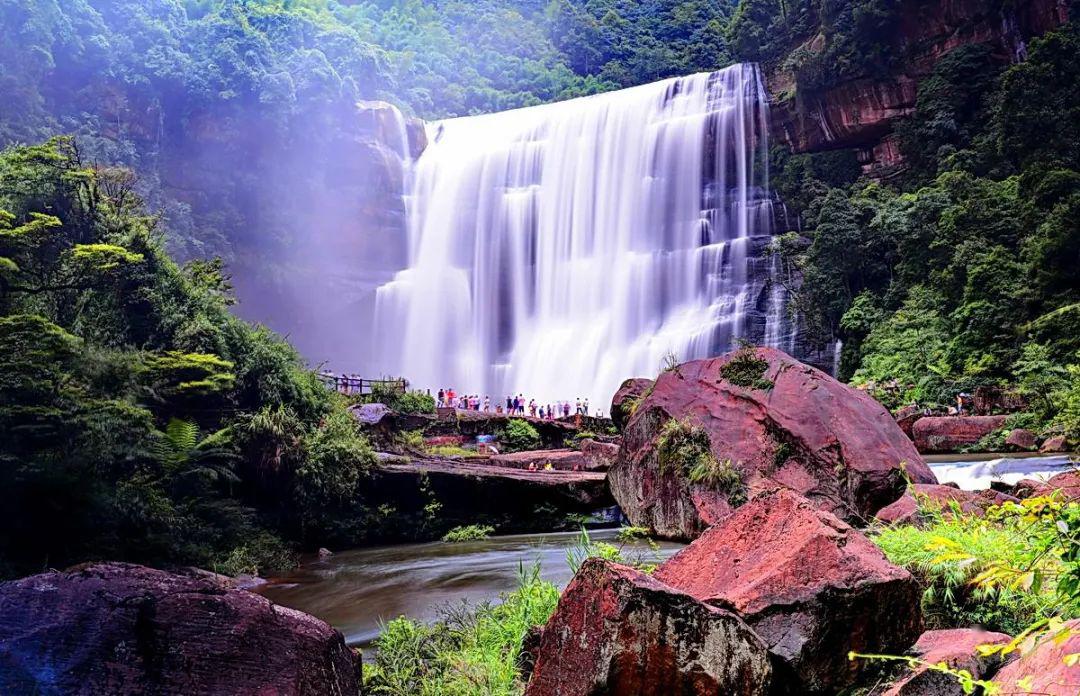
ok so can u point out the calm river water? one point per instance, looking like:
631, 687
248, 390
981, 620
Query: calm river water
356, 591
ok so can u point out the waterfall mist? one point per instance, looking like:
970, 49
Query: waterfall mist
556, 250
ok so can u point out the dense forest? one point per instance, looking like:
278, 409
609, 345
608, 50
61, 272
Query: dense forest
208, 100
966, 268
140, 418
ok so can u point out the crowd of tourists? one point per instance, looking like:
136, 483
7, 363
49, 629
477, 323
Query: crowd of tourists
512, 405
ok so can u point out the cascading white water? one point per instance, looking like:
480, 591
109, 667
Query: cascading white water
556, 250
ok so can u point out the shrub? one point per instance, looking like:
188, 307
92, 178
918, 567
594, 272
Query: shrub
721, 476
952, 552
414, 402
686, 448
387, 393
628, 552
263, 553
747, 370
410, 440
472, 532
519, 436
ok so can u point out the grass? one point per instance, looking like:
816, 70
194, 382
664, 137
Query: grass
468, 652
628, 552
472, 532
721, 476
685, 447
476, 651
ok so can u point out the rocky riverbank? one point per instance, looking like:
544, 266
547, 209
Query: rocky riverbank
781, 478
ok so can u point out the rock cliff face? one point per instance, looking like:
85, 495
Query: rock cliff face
861, 113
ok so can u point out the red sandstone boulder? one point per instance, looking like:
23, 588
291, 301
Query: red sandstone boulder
953, 433
1043, 664
116, 628
906, 418
810, 586
906, 509
957, 648
631, 390
1055, 445
599, 456
1021, 440
618, 632
1030, 488
793, 426
1068, 483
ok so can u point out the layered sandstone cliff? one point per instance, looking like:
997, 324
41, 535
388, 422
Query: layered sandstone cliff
862, 112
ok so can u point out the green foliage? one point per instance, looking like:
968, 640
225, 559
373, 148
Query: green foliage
634, 533
746, 369
819, 42
1030, 573
949, 276
409, 402
954, 550
686, 448
468, 652
231, 90
472, 532
719, 475
410, 440
261, 554
629, 550
519, 436
136, 410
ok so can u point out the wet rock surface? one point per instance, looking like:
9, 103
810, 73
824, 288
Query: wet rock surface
942, 498
1044, 665
632, 390
862, 111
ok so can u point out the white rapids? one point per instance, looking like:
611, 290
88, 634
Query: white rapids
556, 250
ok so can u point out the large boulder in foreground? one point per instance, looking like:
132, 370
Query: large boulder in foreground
944, 434
957, 648
618, 632
116, 628
772, 420
812, 587
1043, 665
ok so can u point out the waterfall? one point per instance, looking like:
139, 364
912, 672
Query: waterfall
556, 250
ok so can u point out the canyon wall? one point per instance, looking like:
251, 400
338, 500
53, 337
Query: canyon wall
862, 112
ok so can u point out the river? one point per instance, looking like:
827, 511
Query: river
356, 591
975, 472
